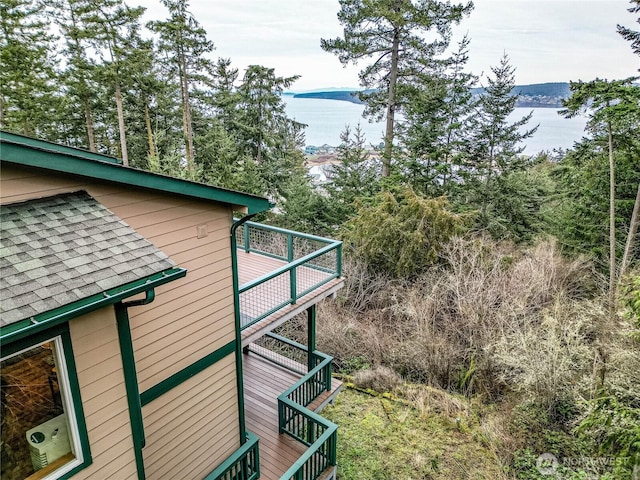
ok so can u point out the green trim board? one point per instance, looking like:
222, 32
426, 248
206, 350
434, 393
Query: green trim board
131, 384
29, 152
26, 328
46, 145
237, 322
42, 336
186, 373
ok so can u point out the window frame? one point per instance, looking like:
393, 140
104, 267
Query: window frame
68, 383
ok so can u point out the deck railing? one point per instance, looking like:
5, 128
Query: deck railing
243, 464
309, 428
294, 418
311, 261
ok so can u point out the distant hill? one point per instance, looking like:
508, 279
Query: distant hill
344, 95
539, 95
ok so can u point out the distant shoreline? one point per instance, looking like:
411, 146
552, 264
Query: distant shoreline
539, 95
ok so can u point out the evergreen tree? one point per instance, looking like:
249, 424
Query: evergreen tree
632, 36
265, 132
222, 163
614, 119
394, 35
436, 116
262, 109
29, 96
224, 96
184, 43
495, 150
82, 90
112, 28
145, 86
356, 176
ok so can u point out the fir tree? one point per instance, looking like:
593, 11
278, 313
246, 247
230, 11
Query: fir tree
436, 120
393, 35
614, 116
495, 150
28, 97
356, 176
184, 43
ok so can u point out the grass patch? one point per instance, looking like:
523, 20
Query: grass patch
385, 437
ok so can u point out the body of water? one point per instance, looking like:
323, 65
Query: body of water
327, 118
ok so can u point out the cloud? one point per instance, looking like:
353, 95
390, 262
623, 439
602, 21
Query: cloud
554, 40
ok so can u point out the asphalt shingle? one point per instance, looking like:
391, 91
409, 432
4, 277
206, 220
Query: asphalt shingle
60, 249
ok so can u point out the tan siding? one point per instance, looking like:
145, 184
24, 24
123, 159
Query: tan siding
20, 184
189, 319
170, 222
96, 348
203, 421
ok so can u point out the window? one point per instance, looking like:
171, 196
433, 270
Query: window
43, 431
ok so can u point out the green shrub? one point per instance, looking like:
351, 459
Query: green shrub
401, 233
615, 426
632, 301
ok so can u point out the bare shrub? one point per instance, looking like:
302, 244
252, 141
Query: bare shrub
623, 377
428, 400
443, 327
381, 379
547, 362
363, 290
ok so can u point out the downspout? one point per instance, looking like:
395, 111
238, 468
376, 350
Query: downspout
236, 314
131, 377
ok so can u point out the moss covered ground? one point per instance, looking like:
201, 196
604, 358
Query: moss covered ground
383, 436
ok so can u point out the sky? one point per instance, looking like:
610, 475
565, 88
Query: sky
546, 40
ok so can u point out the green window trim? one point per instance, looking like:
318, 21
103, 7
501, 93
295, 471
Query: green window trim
61, 331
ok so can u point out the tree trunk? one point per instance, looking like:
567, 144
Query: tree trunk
186, 116
259, 149
123, 135
391, 106
612, 227
633, 228
91, 138
147, 121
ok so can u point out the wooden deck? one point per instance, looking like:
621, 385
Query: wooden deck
277, 452
268, 295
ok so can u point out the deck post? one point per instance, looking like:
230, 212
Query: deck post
290, 247
246, 238
311, 336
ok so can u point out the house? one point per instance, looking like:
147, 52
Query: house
141, 327
310, 150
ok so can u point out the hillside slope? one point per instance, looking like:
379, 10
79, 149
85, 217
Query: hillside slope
429, 435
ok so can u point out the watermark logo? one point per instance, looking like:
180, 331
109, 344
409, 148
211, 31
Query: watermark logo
547, 464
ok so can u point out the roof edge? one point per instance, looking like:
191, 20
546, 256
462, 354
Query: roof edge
56, 147
26, 151
24, 328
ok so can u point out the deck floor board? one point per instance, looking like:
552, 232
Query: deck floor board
274, 292
277, 451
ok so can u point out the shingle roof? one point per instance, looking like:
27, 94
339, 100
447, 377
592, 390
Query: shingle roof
61, 249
